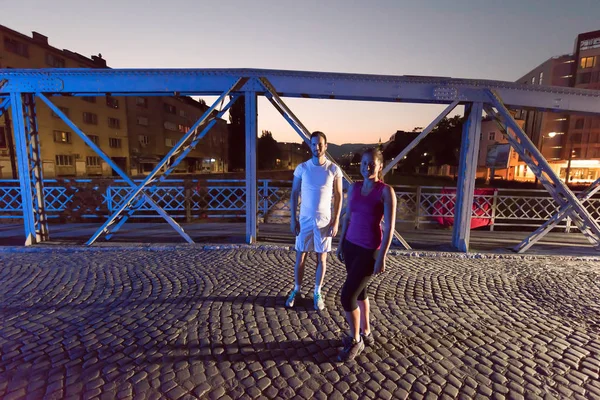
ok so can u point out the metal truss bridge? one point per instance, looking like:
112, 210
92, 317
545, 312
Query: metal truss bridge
21, 90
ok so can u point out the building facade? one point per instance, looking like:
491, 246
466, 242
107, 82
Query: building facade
156, 124
570, 142
103, 119
135, 132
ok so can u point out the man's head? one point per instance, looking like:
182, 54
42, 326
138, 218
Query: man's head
318, 144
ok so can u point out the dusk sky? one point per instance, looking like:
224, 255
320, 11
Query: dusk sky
499, 40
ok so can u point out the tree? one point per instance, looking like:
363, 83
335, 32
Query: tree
268, 151
237, 135
441, 146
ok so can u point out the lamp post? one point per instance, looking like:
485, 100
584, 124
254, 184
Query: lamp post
550, 135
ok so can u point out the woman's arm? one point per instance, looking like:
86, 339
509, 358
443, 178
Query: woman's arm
389, 224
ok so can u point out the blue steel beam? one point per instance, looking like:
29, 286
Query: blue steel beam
538, 164
151, 177
323, 85
179, 157
465, 188
16, 102
251, 174
304, 134
4, 105
112, 164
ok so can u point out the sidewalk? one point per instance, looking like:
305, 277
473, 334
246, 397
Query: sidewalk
502, 242
185, 323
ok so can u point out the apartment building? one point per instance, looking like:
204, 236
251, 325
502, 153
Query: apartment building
570, 142
103, 119
156, 124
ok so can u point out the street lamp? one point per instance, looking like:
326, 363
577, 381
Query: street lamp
550, 135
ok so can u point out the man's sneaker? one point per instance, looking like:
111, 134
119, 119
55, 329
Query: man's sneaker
319, 303
351, 350
368, 340
292, 298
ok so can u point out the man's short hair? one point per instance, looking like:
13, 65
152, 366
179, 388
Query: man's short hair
319, 134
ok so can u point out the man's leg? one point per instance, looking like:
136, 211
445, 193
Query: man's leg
298, 277
320, 274
299, 269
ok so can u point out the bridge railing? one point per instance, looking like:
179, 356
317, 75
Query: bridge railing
190, 200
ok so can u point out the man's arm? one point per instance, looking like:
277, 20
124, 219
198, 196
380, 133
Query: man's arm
337, 205
296, 186
345, 223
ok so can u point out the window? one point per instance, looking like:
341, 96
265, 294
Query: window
585, 77
62, 137
14, 46
141, 101
594, 137
95, 139
89, 99
114, 143
64, 110
55, 61
172, 126
576, 138
143, 139
64, 160
533, 80
92, 161
169, 108
90, 118
579, 123
492, 136
169, 142
182, 113
3, 143
112, 102
596, 123
114, 123
587, 62
183, 128
541, 78
142, 121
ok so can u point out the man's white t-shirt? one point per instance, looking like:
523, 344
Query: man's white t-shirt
317, 187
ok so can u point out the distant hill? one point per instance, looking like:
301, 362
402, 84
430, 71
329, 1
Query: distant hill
337, 151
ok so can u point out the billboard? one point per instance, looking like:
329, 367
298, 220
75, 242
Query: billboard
498, 156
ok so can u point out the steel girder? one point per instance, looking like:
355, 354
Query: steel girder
534, 159
439, 90
171, 160
304, 133
414, 89
467, 170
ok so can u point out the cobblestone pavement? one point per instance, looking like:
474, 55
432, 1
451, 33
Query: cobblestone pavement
183, 322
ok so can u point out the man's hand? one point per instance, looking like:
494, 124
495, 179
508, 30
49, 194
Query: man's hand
333, 228
295, 226
340, 253
379, 266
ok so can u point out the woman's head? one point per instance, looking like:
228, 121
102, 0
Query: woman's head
371, 164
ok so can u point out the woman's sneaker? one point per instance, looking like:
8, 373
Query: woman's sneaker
369, 340
351, 350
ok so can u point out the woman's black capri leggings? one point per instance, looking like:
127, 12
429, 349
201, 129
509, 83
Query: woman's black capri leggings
360, 263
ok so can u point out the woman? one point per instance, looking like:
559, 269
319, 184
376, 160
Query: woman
363, 247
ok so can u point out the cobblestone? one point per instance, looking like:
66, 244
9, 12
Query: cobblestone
183, 322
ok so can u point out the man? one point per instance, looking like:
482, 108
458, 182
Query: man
316, 180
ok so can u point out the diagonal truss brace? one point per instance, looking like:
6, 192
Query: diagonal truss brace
556, 219
540, 167
421, 136
542, 175
151, 178
110, 162
304, 133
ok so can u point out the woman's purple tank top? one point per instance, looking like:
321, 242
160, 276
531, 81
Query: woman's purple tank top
367, 212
